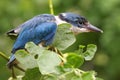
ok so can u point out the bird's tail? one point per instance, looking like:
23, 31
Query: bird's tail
12, 34
11, 61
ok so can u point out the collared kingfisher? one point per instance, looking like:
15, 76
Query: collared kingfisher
42, 28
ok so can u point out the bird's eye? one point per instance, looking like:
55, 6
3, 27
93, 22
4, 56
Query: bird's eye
80, 23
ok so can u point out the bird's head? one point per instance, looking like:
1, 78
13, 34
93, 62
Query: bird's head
79, 23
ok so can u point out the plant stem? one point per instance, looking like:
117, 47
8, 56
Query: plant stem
4, 56
51, 7
13, 73
21, 69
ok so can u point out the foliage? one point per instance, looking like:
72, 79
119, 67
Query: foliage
42, 64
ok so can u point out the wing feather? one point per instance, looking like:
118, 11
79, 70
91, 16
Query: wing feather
43, 32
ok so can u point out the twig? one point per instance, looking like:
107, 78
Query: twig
18, 67
51, 7
4, 56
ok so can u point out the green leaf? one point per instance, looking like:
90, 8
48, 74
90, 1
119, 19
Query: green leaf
74, 60
33, 49
64, 37
80, 50
48, 62
81, 47
49, 77
90, 52
71, 75
32, 74
90, 75
17, 78
25, 59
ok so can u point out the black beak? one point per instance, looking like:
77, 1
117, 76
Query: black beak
92, 28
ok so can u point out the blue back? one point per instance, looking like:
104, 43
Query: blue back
42, 32
34, 22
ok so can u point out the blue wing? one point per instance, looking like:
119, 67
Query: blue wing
43, 32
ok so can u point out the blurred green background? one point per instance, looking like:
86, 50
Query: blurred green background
104, 14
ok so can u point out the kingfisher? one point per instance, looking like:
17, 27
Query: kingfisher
79, 24
41, 29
